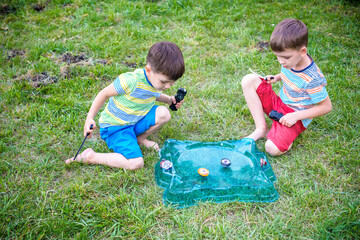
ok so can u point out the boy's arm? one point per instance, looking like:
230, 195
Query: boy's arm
273, 78
169, 100
318, 110
98, 102
164, 99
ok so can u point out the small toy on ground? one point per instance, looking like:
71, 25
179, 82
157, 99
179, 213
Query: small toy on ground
218, 172
262, 162
225, 162
165, 164
203, 172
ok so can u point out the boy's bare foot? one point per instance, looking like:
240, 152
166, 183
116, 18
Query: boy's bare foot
258, 133
150, 144
83, 157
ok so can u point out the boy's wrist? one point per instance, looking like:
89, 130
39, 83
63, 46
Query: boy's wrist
89, 118
170, 101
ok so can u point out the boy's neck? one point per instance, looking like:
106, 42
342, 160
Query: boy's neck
303, 63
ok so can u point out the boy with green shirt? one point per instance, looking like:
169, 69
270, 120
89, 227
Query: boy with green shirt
131, 114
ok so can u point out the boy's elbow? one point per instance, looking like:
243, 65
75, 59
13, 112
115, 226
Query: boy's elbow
329, 106
326, 106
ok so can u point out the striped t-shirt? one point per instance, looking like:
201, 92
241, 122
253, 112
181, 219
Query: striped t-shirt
303, 89
136, 97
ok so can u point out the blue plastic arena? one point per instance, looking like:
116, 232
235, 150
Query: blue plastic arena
248, 178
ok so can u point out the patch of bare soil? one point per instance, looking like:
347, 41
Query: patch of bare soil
81, 60
69, 58
130, 64
13, 53
38, 79
6, 9
40, 6
77, 60
262, 46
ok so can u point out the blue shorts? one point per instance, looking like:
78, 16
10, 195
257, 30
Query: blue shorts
122, 139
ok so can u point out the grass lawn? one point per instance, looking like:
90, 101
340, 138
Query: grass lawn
58, 54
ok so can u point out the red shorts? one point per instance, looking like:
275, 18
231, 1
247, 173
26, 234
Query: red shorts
279, 134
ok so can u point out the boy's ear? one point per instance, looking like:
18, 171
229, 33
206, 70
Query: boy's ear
303, 51
148, 69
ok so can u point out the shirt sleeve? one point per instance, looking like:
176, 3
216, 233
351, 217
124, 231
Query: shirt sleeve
124, 84
316, 90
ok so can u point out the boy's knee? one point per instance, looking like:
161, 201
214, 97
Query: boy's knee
272, 149
249, 81
136, 163
162, 115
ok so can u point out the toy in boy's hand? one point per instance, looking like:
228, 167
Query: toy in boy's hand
261, 77
179, 96
91, 127
274, 115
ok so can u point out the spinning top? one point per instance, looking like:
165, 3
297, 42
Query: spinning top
203, 172
263, 162
225, 162
166, 164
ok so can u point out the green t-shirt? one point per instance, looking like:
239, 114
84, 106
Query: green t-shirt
136, 97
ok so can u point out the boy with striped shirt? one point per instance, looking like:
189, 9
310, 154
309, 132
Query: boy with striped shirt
131, 114
302, 97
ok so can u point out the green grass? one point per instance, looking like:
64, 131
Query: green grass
41, 126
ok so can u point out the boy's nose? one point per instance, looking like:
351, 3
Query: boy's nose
280, 60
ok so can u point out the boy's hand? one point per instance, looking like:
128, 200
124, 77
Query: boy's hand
173, 100
272, 79
289, 119
87, 129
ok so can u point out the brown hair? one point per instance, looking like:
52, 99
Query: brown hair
166, 58
289, 34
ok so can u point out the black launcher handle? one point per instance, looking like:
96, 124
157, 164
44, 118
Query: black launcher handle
91, 127
179, 96
274, 115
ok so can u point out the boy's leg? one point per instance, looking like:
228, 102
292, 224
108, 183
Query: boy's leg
127, 153
116, 160
249, 85
280, 138
122, 142
155, 119
273, 150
